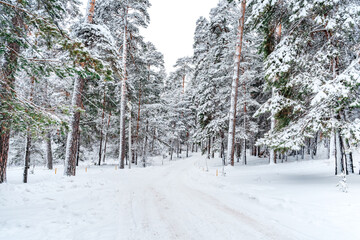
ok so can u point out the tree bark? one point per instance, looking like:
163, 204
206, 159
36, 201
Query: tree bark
238, 151
144, 157
273, 92
4, 150
187, 149
338, 154
28, 138
123, 98
49, 156
243, 152
9, 69
91, 10
106, 137
138, 118
244, 140
222, 151
78, 148
171, 151
235, 83
27, 156
213, 148
130, 151
71, 146
209, 147
73, 142
101, 130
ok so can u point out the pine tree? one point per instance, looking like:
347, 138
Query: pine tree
313, 56
235, 83
18, 22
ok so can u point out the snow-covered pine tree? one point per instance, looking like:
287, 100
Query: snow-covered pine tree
316, 56
20, 22
148, 81
235, 83
213, 58
133, 14
183, 73
251, 95
86, 33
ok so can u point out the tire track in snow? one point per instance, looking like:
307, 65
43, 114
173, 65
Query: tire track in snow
239, 216
161, 205
219, 207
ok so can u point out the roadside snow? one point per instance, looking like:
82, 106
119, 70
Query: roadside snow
178, 200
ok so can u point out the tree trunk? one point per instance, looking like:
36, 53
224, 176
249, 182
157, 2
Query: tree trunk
27, 156
344, 155
101, 129
222, 152
78, 148
178, 149
7, 83
90, 10
4, 150
302, 152
123, 98
338, 153
49, 157
145, 145
243, 152
209, 147
234, 87
314, 144
213, 148
130, 152
126, 159
273, 92
138, 116
28, 138
106, 136
72, 143
71, 146
346, 145
171, 151
153, 141
349, 156
238, 151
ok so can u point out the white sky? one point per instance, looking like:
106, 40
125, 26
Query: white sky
172, 26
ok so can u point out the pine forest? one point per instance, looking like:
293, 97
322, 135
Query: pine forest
254, 135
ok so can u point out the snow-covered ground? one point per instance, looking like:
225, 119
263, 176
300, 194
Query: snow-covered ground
180, 200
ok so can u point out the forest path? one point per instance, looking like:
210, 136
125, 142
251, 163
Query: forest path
169, 203
177, 200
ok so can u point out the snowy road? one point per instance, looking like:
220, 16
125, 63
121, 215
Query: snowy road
175, 201
168, 204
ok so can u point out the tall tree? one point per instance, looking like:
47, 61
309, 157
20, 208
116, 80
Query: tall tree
18, 21
87, 32
235, 83
8, 76
123, 92
317, 55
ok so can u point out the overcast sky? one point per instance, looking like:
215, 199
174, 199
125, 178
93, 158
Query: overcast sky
172, 26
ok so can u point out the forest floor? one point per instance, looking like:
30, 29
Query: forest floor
181, 200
